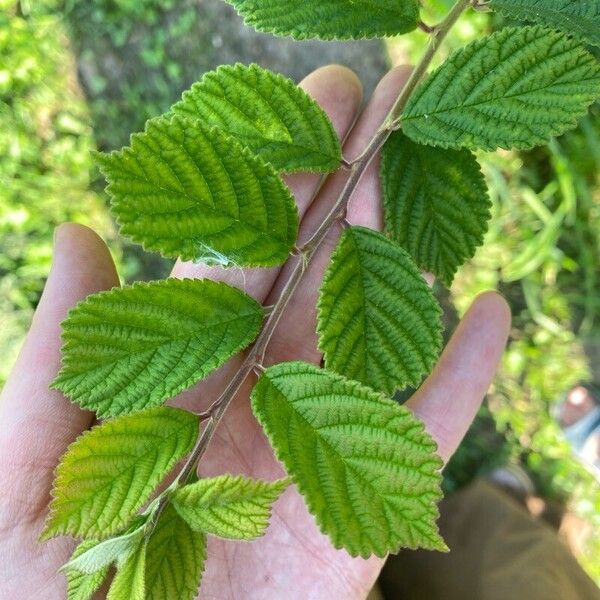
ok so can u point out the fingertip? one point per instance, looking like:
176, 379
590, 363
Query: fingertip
81, 257
338, 90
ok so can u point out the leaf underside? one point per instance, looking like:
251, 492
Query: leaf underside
228, 507
133, 348
334, 19
109, 472
191, 192
575, 17
365, 465
128, 583
513, 89
378, 321
175, 557
435, 202
80, 585
267, 113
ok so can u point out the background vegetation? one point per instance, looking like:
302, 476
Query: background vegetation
132, 58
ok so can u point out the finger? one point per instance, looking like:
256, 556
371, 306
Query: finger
295, 337
450, 397
36, 423
339, 92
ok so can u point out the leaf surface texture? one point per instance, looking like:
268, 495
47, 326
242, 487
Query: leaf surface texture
175, 557
109, 472
365, 465
128, 583
435, 202
333, 19
267, 113
184, 190
580, 18
229, 507
81, 585
378, 321
513, 89
135, 347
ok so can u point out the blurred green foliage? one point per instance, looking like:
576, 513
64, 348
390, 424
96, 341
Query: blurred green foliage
542, 249
45, 139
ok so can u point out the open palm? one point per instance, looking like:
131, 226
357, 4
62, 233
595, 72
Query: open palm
293, 560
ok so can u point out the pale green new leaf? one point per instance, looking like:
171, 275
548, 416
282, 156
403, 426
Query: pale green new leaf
435, 202
185, 190
331, 19
175, 557
365, 465
229, 507
103, 553
128, 583
109, 472
81, 585
135, 347
267, 113
579, 18
378, 321
513, 89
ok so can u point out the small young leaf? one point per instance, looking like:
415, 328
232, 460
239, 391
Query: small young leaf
102, 554
175, 557
184, 190
513, 89
378, 322
333, 19
135, 347
579, 18
436, 203
81, 585
229, 507
109, 472
128, 583
267, 113
365, 465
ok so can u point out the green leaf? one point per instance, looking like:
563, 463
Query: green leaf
135, 347
267, 113
378, 321
102, 554
109, 472
513, 89
229, 507
365, 465
436, 203
175, 557
184, 190
81, 585
579, 18
333, 19
128, 583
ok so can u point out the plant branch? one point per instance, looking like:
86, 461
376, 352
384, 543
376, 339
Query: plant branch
438, 35
303, 257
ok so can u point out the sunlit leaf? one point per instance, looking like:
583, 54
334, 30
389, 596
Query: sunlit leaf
365, 465
228, 507
175, 557
109, 472
513, 89
267, 113
331, 19
135, 347
185, 190
436, 203
378, 321
580, 18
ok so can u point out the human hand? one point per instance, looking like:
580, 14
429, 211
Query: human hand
293, 560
